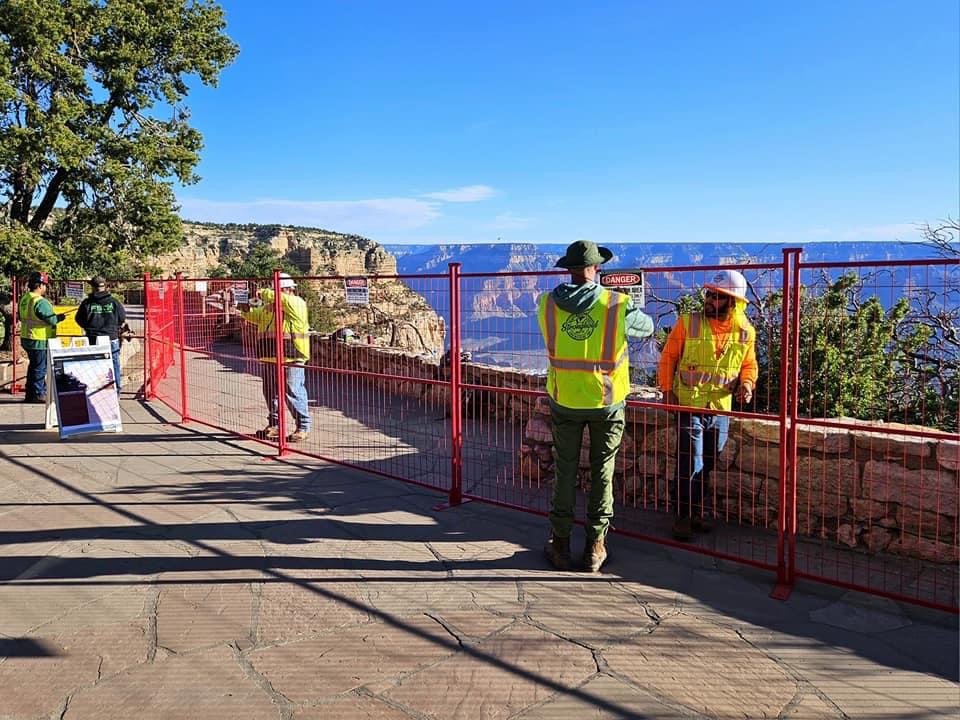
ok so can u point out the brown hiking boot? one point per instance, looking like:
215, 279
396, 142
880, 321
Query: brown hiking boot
298, 436
682, 529
594, 555
271, 432
557, 551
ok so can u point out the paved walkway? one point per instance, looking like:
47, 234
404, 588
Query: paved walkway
170, 572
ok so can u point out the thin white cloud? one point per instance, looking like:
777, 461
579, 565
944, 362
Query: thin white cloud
365, 217
509, 221
468, 193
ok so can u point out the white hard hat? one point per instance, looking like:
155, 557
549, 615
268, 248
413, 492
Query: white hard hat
729, 282
286, 281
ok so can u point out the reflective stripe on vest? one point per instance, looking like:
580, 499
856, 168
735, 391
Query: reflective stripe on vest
703, 379
32, 327
609, 372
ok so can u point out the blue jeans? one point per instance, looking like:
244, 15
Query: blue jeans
700, 438
36, 374
295, 395
115, 352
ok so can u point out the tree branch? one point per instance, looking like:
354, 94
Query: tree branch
49, 199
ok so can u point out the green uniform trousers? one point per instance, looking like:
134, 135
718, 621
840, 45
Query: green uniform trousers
606, 431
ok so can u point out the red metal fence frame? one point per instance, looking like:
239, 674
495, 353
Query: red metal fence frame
164, 334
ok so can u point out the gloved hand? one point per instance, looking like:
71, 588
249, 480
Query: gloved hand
61, 317
256, 302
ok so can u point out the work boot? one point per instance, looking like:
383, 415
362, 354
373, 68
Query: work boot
557, 551
594, 555
271, 432
298, 436
682, 529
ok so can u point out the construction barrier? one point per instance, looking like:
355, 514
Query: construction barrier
844, 469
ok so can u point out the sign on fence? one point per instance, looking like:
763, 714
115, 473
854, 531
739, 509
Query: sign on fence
81, 387
629, 282
241, 293
74, 290
358, 290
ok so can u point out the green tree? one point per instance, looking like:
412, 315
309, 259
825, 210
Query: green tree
858, 359
92, 121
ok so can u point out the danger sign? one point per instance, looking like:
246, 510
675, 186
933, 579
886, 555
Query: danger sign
358, 290
629, 282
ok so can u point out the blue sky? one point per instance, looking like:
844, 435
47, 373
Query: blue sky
527, 121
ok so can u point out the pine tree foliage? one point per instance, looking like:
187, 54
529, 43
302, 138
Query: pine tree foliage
92, 121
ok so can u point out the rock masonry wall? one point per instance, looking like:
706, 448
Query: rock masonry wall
880, 492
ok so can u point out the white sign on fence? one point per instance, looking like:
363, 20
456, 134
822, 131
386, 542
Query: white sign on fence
75, 290
241, 293
358, 290
629, 282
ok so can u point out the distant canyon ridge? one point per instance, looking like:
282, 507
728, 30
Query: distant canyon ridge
410, 314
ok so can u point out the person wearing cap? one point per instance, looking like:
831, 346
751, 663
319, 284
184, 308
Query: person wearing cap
101, 315
708, 360
585, 329
296, 352
38, 323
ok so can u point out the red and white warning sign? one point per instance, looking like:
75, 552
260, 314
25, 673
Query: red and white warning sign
629, 282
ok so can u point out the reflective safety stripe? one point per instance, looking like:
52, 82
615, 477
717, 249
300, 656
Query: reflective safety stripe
590, 366
610, 326
551, 323
32, 327
608, 361
576, 381
692, 376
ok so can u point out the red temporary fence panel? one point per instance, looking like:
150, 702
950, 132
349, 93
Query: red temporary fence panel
843, 469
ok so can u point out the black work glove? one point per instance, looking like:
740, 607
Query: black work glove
61, 317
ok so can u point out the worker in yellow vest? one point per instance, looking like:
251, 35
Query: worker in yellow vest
296, 353
38, 323
585, 329
708, 360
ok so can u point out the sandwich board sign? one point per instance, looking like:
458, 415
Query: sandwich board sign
81, 388
629, 282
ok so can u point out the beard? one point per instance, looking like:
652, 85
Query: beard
717, 312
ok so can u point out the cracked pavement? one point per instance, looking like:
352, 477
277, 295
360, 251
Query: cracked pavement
175, 572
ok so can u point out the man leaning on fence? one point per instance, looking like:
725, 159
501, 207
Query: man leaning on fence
708, 360
296, 352
102, 315
38, 323
585, 328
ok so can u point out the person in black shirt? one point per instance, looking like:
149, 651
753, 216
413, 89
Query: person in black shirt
102, 314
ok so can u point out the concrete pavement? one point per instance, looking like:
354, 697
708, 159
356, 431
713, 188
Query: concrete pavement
174, 572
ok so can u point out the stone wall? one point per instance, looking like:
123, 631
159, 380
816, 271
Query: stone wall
875, 491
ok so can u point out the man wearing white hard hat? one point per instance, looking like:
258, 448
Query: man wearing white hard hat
708, 360
296, 353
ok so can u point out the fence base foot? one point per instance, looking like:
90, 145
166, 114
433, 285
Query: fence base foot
781, 591
446, 505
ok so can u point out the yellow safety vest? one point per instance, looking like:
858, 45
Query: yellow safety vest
296, 328
589, 365
702, 379
31, 326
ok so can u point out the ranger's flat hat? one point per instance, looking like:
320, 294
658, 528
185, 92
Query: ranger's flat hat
584, 253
